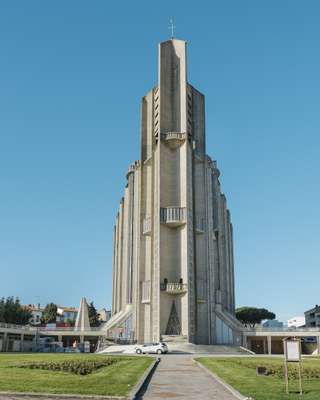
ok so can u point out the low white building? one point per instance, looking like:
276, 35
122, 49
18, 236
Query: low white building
36, 311
104, 315
297, 322
66, 314
313, 317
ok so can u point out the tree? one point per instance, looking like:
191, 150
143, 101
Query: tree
70, 322
23, 315
12, 312
250, 316
2, 309
93, 315
49, 314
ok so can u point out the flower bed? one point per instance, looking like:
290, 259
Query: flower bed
77, 367
277, 369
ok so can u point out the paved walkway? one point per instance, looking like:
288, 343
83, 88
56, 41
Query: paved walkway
177, 376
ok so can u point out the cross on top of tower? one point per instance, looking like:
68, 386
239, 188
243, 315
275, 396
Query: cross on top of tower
172, 27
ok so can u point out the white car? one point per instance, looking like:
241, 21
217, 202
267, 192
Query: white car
158, 348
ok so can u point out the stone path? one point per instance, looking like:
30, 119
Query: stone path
178, 377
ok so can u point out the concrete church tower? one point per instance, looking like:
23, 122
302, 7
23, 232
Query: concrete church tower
173, 271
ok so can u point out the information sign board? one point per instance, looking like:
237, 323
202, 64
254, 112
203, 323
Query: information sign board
293, 350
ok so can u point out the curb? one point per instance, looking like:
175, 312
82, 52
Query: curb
59, 396
232, 390
136, 389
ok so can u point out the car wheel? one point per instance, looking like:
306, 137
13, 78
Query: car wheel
159, 351
138, 351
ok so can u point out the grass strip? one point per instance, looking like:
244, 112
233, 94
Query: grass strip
240, 373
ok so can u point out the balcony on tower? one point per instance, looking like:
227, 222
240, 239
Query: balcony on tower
173, 287
146, 225
133, 167
199, 223
173, 216
174, 139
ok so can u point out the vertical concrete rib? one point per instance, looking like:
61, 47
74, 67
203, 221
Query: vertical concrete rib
113, 270
171, 179
232, 270
120, 256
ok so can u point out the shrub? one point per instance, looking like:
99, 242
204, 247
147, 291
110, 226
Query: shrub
75, 367
277, 369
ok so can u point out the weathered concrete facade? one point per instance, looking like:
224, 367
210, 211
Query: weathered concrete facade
173, 268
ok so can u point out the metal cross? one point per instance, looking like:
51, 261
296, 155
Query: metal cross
172, 27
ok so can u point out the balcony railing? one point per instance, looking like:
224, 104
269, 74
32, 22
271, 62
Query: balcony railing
67, 329
173, 287
17, 327
29, 328
173, 216
200, 223
174, 139
282, 329
146, 225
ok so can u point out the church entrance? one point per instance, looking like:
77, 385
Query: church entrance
174, 326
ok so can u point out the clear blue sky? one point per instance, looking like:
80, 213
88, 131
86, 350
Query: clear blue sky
71, 77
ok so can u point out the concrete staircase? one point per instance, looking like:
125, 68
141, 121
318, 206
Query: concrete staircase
117, 319
179, 344
229, 319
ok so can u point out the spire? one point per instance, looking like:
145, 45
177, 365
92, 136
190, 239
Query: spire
172, 83
82, 321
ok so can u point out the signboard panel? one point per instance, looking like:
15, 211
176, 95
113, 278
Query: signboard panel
87, 347
293, 350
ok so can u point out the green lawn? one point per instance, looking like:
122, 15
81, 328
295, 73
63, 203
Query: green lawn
241, 374
116, 379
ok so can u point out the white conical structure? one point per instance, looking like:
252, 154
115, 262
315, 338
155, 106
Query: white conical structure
82, 321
